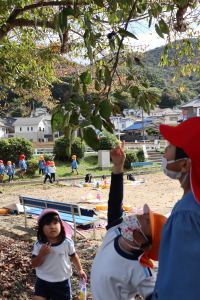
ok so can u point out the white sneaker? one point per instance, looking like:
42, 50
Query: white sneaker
42, 175
39, 175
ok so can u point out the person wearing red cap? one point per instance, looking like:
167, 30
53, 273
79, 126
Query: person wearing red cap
47, 172
22, 165
2, 170
179, 256
123, 266
52, 255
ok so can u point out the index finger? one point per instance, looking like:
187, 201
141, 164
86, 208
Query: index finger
123, 144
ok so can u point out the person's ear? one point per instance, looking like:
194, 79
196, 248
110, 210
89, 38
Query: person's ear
145, 247
186, 165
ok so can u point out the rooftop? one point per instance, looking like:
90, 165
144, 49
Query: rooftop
137, 126
192, 103
28, 121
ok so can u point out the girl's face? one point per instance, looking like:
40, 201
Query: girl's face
52, 230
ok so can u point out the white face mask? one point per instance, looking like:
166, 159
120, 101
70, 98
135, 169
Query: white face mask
169, 173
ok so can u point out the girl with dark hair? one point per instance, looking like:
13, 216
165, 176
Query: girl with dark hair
51, 258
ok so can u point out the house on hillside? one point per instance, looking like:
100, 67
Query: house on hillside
193, 108
8, 121
38, 111
30, 128
160, 112
121, 123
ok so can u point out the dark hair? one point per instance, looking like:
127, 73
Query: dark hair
47, 219
180, 153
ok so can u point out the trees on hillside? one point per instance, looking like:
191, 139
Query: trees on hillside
34, 36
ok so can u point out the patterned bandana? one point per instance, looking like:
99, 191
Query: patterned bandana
128, 225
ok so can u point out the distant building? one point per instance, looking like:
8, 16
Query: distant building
38, 111
193, 108
3, 130
30, 128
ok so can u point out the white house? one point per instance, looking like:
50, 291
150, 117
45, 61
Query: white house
3, 133
121, 123
30, 128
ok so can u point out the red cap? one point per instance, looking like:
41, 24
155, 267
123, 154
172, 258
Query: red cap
1, 161
187, 136
22, 156
47, 163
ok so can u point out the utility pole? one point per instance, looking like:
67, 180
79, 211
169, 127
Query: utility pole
118, 130
143, 124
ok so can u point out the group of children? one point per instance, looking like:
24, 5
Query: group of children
10, 169
47, 169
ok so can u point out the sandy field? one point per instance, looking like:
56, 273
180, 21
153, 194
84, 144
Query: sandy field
158, 192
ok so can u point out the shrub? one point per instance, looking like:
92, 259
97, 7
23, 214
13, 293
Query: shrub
108, 141
32, 166
12, 148
48, 156
78, 149
140, 155
130, 157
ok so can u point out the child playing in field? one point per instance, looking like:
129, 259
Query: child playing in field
2, 170
179, 259
41, 165
22, 165
51, 258
74, 164
47, 172
123, 266
52, 170
10, 170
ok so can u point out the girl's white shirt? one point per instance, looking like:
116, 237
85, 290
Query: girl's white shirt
55, 266
52, 169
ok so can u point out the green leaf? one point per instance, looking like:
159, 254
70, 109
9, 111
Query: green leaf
90, 54
127, 33
74, 118
96, 121
99, 3
120, 14
97, 85
137, 60
90, 138
142, 103
86, 78
134, 91
104, 109
130, 78
77, 86
96, 110
65, 120
163, 26
159, 32
84, 106
68, 106
108, 126
68, 11
130, 62
114, 3
111, 18
56, 121
97, 36
119, 96
145, 85
159, 8
80, 132
112, 45
74, 99
85, 123
85, 89
150, 21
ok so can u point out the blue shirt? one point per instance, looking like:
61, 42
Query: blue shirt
2, 170
10, 170
22, 164
179, 255
46, 170
41, 164
74, 164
